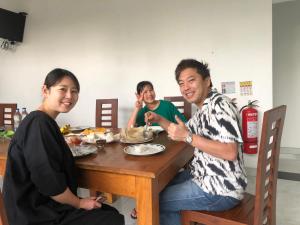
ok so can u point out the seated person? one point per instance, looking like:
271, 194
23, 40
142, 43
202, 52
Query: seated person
216, 180
40, 182
145, 94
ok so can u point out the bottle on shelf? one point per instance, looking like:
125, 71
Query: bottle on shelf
24, 113
17, 119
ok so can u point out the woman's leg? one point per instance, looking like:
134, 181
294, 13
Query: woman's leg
189, 196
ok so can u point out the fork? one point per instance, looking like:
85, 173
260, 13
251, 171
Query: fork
145, 131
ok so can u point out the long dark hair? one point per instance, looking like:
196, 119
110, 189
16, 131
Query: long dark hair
56, 75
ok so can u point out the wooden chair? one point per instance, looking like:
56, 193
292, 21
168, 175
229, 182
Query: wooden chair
106, 116
107, 113
7, 114
181, 104
261, 208
3, 216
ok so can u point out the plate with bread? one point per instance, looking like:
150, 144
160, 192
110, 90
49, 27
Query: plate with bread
136, 135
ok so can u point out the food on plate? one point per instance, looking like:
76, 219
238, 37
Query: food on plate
156, 129
92, 137
144, 149
73, 140
136, 134
95, 130
141, 148
7, 133
109, 137
65, 129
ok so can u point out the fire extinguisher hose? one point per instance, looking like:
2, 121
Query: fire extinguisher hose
250, 104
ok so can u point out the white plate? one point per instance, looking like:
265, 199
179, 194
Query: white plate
82, 150
156, 129
92, 140
136, 142
78, 129
108, 139
89, 141
144, 149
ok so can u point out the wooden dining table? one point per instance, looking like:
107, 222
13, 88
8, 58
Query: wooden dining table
141, 177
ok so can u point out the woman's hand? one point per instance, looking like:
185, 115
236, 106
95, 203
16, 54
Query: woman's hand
151, 117
89, 203
139, 100
179, 131
138, 106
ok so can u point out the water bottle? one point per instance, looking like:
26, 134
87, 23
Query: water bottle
24, 113
17, 119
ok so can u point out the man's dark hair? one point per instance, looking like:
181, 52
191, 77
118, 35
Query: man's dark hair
201, 67
141, 85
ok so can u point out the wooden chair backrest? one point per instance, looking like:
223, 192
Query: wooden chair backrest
3, 216
107, 113
261, 208
267, 166
7, 111
181, 104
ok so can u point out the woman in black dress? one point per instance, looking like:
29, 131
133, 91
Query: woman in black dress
40, 183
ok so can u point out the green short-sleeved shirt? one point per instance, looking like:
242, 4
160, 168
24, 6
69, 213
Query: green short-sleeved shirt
165, 109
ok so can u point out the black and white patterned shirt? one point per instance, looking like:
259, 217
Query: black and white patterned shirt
218, 120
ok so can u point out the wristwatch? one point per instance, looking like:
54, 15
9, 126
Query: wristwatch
189, 138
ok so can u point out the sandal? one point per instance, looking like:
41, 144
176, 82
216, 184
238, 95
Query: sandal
133, 214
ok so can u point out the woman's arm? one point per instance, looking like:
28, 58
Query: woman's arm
67, 197
138, 106
132, 119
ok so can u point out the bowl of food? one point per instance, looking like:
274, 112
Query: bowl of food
136, 135
73, 140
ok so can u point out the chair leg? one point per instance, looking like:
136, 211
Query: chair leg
185, 219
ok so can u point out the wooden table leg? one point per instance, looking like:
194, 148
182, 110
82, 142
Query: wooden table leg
147, 201
2, 167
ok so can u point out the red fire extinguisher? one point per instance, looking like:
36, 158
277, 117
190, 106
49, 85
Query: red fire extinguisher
250, 127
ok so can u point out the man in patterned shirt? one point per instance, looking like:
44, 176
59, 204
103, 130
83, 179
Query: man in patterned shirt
216, 180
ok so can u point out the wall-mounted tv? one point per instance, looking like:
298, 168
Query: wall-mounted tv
12, 25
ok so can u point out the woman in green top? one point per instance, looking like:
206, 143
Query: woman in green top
145, 94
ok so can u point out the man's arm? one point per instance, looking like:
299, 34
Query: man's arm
227, 151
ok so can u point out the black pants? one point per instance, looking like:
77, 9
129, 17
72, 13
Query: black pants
106, 215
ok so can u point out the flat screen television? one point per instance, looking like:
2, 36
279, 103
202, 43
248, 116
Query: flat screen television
12, 25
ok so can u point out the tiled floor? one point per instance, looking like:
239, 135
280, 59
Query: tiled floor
288, 192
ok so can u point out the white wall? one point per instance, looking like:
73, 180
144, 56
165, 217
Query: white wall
111, 45
286, 67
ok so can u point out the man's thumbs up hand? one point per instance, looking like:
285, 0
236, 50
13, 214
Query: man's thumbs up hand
179, 121
177, 132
